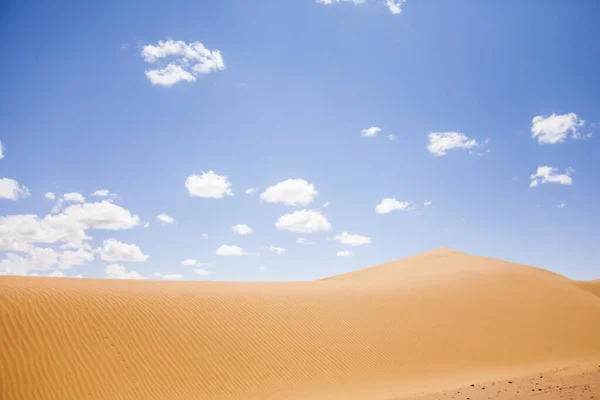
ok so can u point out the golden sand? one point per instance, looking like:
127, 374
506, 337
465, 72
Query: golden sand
428, 322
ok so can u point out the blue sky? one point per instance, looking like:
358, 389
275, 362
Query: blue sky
298, 83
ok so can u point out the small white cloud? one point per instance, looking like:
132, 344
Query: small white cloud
165, 218
203, 272
104, 193
230, 251
340, 1
325, 205
352, 240
113, 250
262, 267
101, 193
561, 205
395, 6
117, 271
304, 241
428, 203
303, 221
441, 142
391, 137
388, 205
187, 61
146, 224
208, 185
102, 215
250, 190
243, 84
57, 274
169, 75
290, 192
50, 196
1, 150
370, 132
12, 190
242, 229
277, 250
557, 128
74, 197
195, 263
204, 235
546, 174
343, 253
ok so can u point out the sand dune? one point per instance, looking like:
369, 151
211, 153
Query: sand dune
438, 318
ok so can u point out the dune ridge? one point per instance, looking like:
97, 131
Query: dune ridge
366, 334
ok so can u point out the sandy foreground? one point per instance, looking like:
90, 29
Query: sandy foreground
438, 325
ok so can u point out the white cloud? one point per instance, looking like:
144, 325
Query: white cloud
304, 241
113, 250
250, 190
78, 257
391, 137
101, 193
50, 196
546, 174
340, 1
116, 271
17, 232
12, 190
262, 267
343, 253
395, 6
165, 218
561, 205
102, 215
146, 224
37, 258
194, 263
277, 250
204, 235
242, 229
187, 61
290, 192
204, 272
441, 142
74, 197
303, 221
104, 193
208, 185
230, 251
1, 150
352, 240
169, 75
370, 132
556, 128
428, 203
388, 205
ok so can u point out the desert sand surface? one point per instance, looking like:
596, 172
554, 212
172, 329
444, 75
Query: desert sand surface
427, 326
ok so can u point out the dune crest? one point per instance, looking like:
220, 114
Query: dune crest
430, 315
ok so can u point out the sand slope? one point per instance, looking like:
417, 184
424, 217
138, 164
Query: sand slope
368, 334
